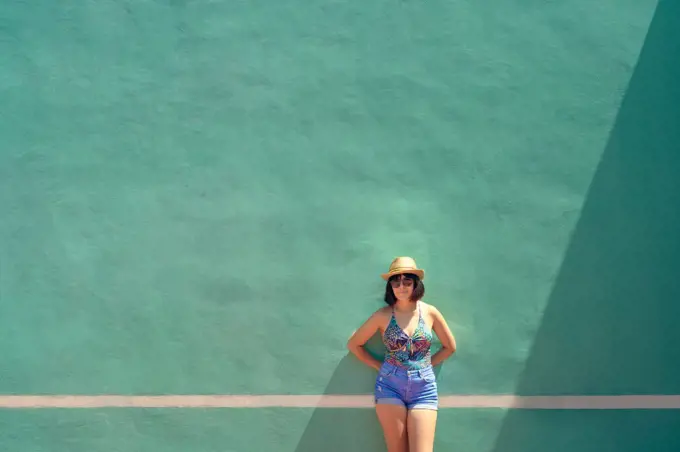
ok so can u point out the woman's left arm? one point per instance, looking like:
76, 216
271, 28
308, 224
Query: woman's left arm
444, 334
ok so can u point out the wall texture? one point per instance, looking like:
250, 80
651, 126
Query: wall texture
199, 196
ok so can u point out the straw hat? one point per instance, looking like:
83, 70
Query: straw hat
403, 264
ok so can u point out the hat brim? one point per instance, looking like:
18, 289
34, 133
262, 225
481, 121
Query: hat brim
419, 273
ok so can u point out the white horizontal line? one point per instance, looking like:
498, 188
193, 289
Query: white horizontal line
611, 402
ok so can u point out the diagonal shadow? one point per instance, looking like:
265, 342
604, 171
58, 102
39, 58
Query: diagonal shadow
611, 323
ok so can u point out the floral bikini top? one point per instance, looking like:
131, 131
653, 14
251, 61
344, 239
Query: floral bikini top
408, 352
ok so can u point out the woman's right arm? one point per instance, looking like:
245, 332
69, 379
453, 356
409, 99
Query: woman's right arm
356, 342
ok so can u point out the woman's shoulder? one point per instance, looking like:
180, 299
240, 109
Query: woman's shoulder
384, 311
429, 308
380, 317
380, 313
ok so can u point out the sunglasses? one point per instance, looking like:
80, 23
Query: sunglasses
405, 280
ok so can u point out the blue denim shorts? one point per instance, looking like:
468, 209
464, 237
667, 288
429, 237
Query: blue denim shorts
415, 388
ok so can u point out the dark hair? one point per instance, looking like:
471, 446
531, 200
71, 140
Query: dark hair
418, 289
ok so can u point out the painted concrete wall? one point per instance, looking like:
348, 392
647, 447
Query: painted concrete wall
198, 197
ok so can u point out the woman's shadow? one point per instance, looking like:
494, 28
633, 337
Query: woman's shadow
344, 429
348, 429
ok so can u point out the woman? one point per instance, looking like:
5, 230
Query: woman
406, 394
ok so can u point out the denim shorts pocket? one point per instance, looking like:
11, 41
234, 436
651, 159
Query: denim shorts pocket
386, 372
385, 385
429, 377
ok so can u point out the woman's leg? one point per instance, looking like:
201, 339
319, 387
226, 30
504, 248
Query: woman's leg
421, 425
392, 418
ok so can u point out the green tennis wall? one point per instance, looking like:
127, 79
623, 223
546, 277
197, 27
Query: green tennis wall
198, 197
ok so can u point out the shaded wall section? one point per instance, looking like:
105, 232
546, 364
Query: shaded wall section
610, 326
611, 318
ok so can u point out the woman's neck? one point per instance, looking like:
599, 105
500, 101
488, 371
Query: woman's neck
405, 306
